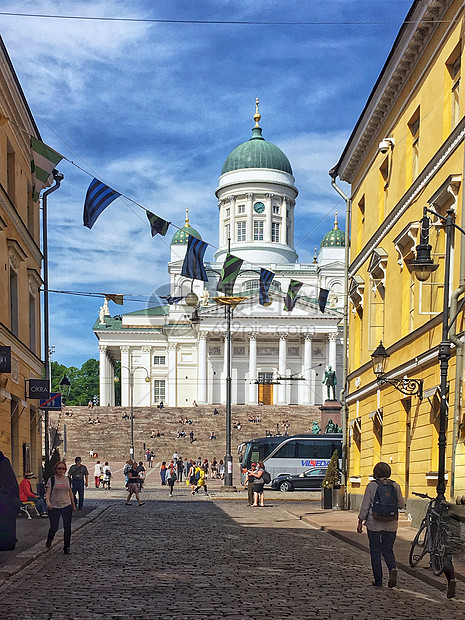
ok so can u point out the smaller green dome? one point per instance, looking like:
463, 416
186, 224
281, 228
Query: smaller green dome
181, 236
335, 238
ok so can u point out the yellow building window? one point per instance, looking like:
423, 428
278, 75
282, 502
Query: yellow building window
377, 419
414, 129
453, 66
356, 441
383, 189
361, 223
377, 271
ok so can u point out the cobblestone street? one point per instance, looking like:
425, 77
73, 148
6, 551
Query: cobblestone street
185, 557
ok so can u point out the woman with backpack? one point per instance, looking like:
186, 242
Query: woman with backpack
106, 476
380, 512
60, 503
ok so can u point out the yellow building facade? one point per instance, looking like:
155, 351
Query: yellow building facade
20, 281
406, 152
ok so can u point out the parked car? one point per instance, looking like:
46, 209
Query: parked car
310, 480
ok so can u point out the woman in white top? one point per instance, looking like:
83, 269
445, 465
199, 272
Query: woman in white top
60, 502
97, 474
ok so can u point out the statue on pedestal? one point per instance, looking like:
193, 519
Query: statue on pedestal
330, 380
316, 428
331, 427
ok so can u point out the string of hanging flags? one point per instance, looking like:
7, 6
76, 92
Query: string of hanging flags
99, 196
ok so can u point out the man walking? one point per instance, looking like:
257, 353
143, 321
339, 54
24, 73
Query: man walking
79, 478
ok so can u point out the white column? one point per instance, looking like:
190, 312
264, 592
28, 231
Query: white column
282, 364
332, 336
282, 231
222, 234
253, 387
291, 226
249, 230
145, 388
111, 384
125, 364
232, 217
268, 219
172, 375
103, 378
308, 395
202, 384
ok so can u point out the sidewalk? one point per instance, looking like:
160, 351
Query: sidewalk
32, 534
342, 524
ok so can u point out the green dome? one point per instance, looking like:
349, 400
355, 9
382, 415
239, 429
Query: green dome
334, 238
257, 153
181, 236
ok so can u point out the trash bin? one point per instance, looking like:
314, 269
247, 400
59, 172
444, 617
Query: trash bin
326, 498
338, 493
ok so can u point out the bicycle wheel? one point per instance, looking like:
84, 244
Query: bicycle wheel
438, 549
419, 545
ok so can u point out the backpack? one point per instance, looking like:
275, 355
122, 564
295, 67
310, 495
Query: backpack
266, 477
385, 502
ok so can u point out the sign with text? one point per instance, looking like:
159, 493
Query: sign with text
38, 388
5, 359
53, 403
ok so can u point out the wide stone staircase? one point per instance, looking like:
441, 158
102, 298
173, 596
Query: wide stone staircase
111, 438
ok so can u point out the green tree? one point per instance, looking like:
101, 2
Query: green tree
84, 381
333, 475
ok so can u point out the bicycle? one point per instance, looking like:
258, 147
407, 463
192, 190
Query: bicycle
431, 536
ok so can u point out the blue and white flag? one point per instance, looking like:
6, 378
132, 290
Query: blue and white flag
266, 278
98, 197
193, 266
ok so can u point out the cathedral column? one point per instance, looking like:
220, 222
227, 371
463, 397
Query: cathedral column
232, 217
103, 375
202, 383
308, 397
222, 233
172, 374
145, 399
111, 383
290, 241
332, 337
282, 365
268, 218
125, 365
253, 396
249, 228
282, 232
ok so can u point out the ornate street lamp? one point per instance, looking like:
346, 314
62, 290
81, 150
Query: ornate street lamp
379, 360
131, 396
65, 386
422, 268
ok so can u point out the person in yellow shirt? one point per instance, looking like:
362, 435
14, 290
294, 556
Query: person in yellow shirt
202, 480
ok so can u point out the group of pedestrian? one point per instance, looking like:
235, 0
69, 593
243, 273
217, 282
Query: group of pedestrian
102, 474
197, 476
149, 457
254, 481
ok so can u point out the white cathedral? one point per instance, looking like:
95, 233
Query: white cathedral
277, 357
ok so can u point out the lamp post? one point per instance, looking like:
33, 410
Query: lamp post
423, 266
131, 401
65, 386
58, 178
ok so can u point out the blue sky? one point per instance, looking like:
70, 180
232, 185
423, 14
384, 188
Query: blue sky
154, 109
